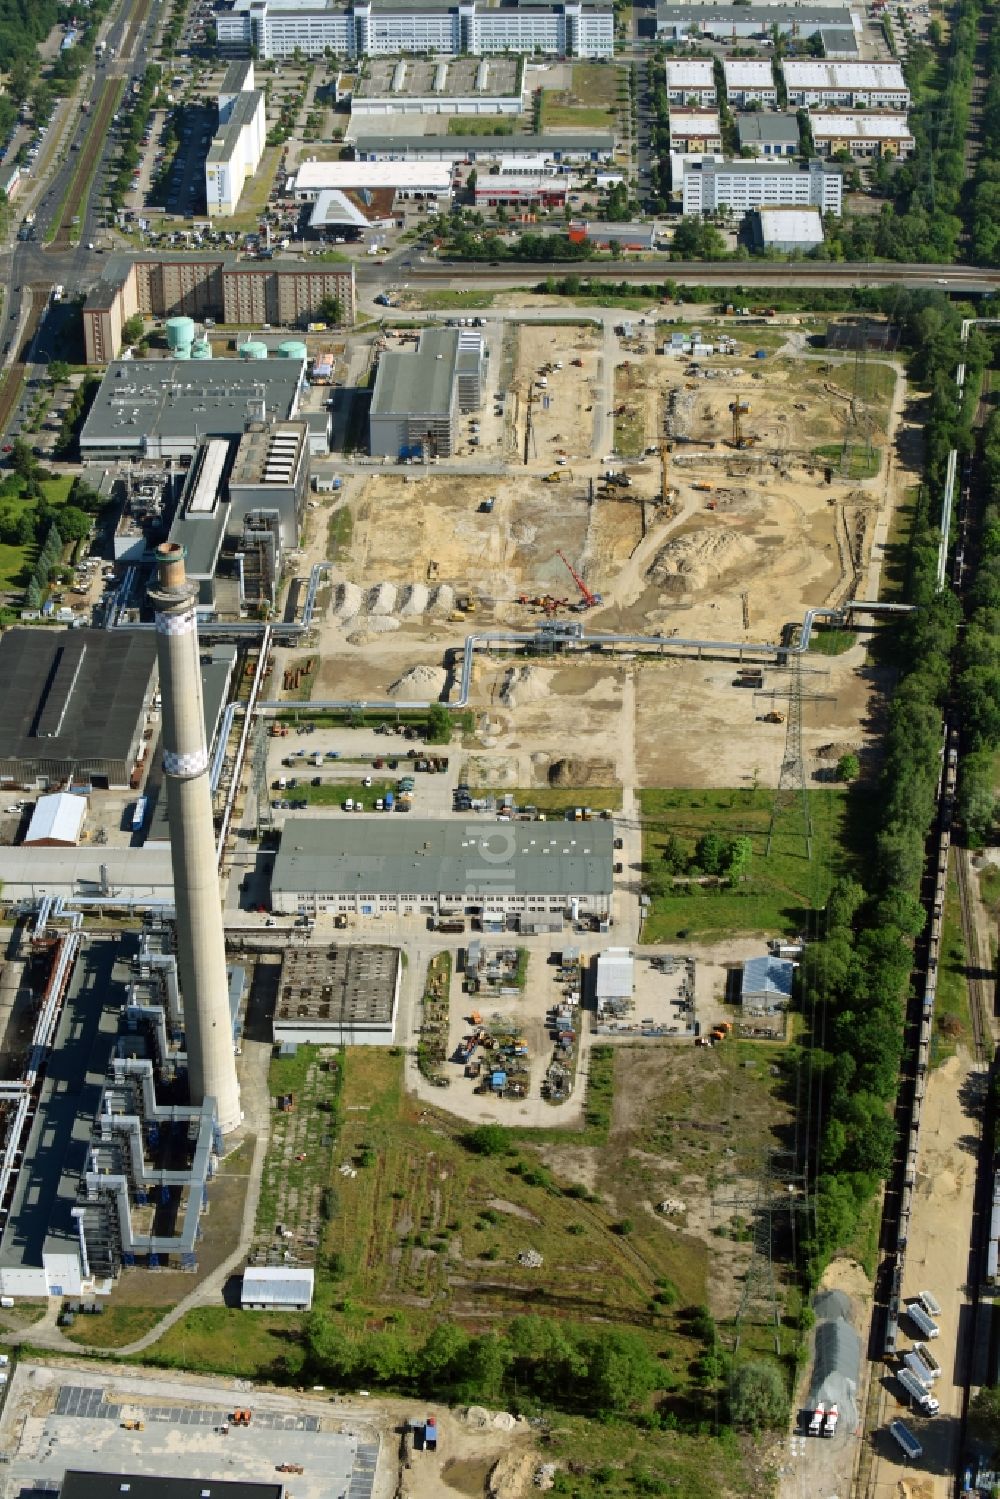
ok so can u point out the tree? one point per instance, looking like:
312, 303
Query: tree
738, 857
487, 1139
74, 524
848, 767
758, 1398
330, 309
709, 853
984, 1417
133, 329
438, 724
33, 594
58, 372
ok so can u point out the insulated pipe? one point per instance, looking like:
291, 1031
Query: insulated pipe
201, 949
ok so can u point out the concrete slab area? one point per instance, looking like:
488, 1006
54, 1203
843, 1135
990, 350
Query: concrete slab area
56, 1418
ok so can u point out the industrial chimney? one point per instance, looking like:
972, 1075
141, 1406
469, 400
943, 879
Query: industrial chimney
201, 950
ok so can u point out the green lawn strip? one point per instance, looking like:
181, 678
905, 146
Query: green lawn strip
119, 1325
445, 301
573, 115
861, 463
782, 885
336, 793
557, 799
339, 532
478, 125
951, 1006
831, 642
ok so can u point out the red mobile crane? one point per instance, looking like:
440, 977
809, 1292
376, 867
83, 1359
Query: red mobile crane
590, 600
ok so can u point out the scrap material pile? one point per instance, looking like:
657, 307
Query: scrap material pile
564, 1024
496, 1054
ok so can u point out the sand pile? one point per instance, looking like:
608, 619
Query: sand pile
420, 683
413, 600
346, 600
523, 684
442, 599
381, 599
374, 626
700, 557
574, 772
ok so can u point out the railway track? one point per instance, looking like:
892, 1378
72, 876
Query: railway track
13, 381
136, 24
89, 158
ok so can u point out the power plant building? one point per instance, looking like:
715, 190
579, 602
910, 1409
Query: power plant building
280, 28
162, 409
400, 866
418, 395
76, 705
236, 151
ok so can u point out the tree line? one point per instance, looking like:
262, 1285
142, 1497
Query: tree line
855, 981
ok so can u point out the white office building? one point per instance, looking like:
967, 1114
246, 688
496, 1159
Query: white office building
750, 81
277, 28
864, 135
691, 80
236, 151
852, 85
743, 185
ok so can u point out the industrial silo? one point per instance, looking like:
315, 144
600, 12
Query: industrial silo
292, 348
201, 349
180, 335
254, 348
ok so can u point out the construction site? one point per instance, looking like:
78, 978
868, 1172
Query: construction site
707, 489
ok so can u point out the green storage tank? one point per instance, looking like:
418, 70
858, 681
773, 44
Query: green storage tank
292, 348
180, 333
254, 348
201, 349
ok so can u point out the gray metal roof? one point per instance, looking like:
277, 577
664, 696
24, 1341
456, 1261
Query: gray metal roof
806, 18
768, 975
279, 1285
395, 855
227, 136
758, 126
181, 400
77, 1484
417, 383
500, 145
236, 75
72, 694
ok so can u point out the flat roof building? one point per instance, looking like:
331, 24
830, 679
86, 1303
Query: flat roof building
159, 408
767, 983
614, 980
455, 86
419, 393
517, 190
695, 130
236, 151
749, 81
742, 185
787, 229
405, 866
280, 28
275, 1288
678, 23
406, 179
241, 292
338, 995
80, 1484
565, 149
858, 85
76, 703
767, 133
690, 80
863, 135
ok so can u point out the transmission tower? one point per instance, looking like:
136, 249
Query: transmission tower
763, 1203
792, 789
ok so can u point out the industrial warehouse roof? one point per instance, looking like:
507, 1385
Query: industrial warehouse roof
758, 126
768, 975
278, 1285
742, 72
369, 136
212, 398
843, 75
78, 1484
790, 225
690, 72
339, 986
73, 694
417, 383
396, 855
805, 18
877, 127
615, 974
57, 819
409, 176
694, 122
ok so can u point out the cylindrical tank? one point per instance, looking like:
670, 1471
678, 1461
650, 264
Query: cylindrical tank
254, 348
292, 348
201, 349
180, 333
183, 351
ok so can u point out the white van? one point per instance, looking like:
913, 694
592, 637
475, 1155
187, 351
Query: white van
349, 805
904, 1436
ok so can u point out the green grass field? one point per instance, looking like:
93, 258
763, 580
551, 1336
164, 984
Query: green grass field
952, 1022
829, 642
861, 464
16, 561
557, 800
447, 301
335, 793
478, 125
781, 886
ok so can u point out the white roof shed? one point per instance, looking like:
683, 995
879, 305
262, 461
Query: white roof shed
277, 1288
57, 820
615, 976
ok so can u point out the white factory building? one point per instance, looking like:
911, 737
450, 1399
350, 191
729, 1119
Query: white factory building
277, 1288
742, 185
749, 81
401, 866
691, 80
695, 130
236, 151
863, 135
406, 179
279, 28
791, 230
851, 85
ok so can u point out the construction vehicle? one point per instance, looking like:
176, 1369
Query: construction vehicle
589, 600
703, 488
816, 1420
554, 478
772, 717
289, 1468
241, 1416
466, 603
741, 439
456, 616
133, 1425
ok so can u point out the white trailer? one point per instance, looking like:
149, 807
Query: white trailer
918, 1392
930, 1303
921, 1321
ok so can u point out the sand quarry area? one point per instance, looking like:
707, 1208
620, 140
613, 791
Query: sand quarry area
746, 541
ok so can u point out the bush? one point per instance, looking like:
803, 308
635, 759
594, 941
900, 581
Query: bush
487, 1139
